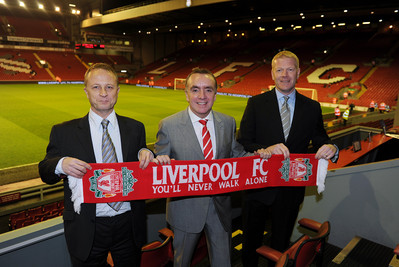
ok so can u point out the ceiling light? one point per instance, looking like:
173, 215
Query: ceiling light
40, 6
322, 16
21, 4
366, 22
57, 9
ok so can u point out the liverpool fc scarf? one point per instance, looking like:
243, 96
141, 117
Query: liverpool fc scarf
111, 182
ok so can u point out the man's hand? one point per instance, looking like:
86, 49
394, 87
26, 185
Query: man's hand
279, 149
145, 157
162, 159
326, 152
263, 153
75, 167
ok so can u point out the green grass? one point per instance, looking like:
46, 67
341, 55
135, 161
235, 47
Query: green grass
28, 112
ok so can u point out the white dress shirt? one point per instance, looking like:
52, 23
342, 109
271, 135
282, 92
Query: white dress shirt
198, 128
96, 130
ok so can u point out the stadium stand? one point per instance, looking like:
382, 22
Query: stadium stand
34, 215
35, 28
369, 79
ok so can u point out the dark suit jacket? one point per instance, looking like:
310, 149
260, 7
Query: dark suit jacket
261, 127
73, 139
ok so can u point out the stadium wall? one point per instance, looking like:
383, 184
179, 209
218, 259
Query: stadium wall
18, 173
359, 200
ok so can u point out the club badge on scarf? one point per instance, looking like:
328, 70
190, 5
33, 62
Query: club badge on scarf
110, 182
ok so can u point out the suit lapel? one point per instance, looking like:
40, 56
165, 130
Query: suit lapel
219, 130
124, 133
275, 121
299, 112
84, 137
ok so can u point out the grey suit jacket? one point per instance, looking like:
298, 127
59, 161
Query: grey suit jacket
176, 138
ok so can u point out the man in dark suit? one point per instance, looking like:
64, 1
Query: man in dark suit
180, 137
98, 228
283, 121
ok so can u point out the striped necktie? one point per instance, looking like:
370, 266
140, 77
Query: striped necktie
285, 117
206, 141
109, 155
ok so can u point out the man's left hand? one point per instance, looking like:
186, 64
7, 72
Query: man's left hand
326, 152
145, 157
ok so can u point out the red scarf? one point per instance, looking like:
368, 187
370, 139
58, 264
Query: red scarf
110, 182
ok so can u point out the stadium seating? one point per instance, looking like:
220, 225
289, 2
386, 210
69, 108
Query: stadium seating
314, 51
36, 28
374, 78
36, 214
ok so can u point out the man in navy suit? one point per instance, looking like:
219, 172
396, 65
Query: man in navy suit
262, 127
98, 228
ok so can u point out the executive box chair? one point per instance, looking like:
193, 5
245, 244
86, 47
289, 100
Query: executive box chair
306, 250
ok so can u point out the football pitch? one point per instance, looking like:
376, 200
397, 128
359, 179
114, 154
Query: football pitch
28, 111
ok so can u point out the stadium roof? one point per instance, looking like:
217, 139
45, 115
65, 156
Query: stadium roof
188, 15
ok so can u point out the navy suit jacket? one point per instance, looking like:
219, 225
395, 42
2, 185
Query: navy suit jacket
73, 139
261, 127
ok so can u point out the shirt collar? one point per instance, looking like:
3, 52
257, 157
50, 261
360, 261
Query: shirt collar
195, 118
291, 96
97, 119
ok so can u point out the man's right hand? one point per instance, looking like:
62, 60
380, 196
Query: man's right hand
75, 167
279, 149
162, 159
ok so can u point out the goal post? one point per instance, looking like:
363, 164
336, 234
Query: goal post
179, 84
309, 92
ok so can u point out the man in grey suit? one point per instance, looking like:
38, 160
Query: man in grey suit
180, 137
